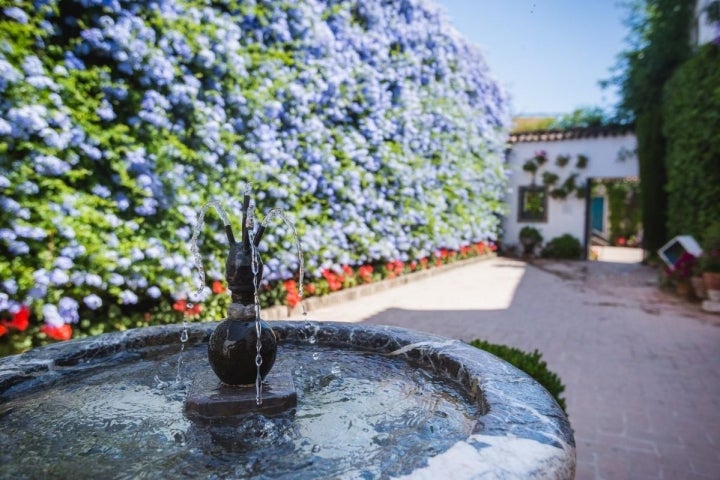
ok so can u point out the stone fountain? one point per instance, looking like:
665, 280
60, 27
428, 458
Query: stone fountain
349, 401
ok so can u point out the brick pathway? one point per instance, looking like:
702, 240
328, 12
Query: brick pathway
642, 369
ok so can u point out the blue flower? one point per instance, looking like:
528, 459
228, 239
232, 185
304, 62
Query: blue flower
18, 248
127, 297
10, 286
105, 111
50, 166
59, 277
16, 14
101, 191
93, 280
5, 127
51, 315
92, 301
68, 310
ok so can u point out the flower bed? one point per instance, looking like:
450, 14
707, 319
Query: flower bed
373, 124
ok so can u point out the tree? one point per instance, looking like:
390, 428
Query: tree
659, 41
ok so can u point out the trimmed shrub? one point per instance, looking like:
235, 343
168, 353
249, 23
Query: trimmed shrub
691, 125
563, 247
530, 238
373, 124
530, 363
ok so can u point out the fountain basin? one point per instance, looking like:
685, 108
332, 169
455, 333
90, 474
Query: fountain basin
516, 429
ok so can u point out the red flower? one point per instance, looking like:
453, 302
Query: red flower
179, 306
293, 296
310, 288
347, 270
365, 273
182, 306
334, 280
63, 332
218, 287
21, 319
423, 262
195, 310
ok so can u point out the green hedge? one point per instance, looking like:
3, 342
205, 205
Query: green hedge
373, 124
530, 363
563, 247
691, 126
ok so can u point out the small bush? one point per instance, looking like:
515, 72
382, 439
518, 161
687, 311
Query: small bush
565, 246
530, 237
530, 363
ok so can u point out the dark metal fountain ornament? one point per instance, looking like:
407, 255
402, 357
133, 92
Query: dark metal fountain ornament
242, 348
235, 354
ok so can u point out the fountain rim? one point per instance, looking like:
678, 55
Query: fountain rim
512, 404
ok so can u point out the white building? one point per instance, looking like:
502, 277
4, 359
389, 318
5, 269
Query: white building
556, 208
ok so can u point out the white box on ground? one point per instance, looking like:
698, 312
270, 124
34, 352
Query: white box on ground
671, 252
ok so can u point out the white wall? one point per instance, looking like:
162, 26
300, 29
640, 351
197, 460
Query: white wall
566, 215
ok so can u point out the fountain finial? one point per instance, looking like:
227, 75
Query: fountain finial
239, 273
235, 354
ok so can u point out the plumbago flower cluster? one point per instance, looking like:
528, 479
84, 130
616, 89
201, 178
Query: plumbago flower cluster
372, 123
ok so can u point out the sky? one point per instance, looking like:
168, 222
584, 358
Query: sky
548, 54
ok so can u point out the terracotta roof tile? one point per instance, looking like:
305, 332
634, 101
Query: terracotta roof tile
570, 134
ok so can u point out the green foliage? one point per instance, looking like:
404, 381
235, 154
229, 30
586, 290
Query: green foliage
562, 160
530, 166
624, 208
530, 234
118, 120
710, 259
531, 124
563, 247
691, 125
550, 178
569, 186
659, 42
530, 363
584, 117
653, 176
582, 161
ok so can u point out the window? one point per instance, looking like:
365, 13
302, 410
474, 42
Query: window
533, 204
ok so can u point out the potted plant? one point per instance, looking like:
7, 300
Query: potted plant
530, 238
681, 273
710, 261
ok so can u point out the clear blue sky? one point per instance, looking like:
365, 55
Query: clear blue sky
548, 54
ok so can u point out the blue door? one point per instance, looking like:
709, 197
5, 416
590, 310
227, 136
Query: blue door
597, 213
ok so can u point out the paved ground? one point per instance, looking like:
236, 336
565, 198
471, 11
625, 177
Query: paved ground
642, 369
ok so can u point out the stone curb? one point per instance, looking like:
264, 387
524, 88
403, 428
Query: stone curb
282, 312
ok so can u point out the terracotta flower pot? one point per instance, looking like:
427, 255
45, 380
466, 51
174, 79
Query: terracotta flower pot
683, 289
698, 285
712, 284
712, 280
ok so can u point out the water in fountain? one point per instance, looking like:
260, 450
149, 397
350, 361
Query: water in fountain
278, 212
250, 228
359, 415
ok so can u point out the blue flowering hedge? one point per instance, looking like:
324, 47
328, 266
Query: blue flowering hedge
373, 123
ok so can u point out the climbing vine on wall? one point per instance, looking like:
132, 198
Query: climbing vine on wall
558, 189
